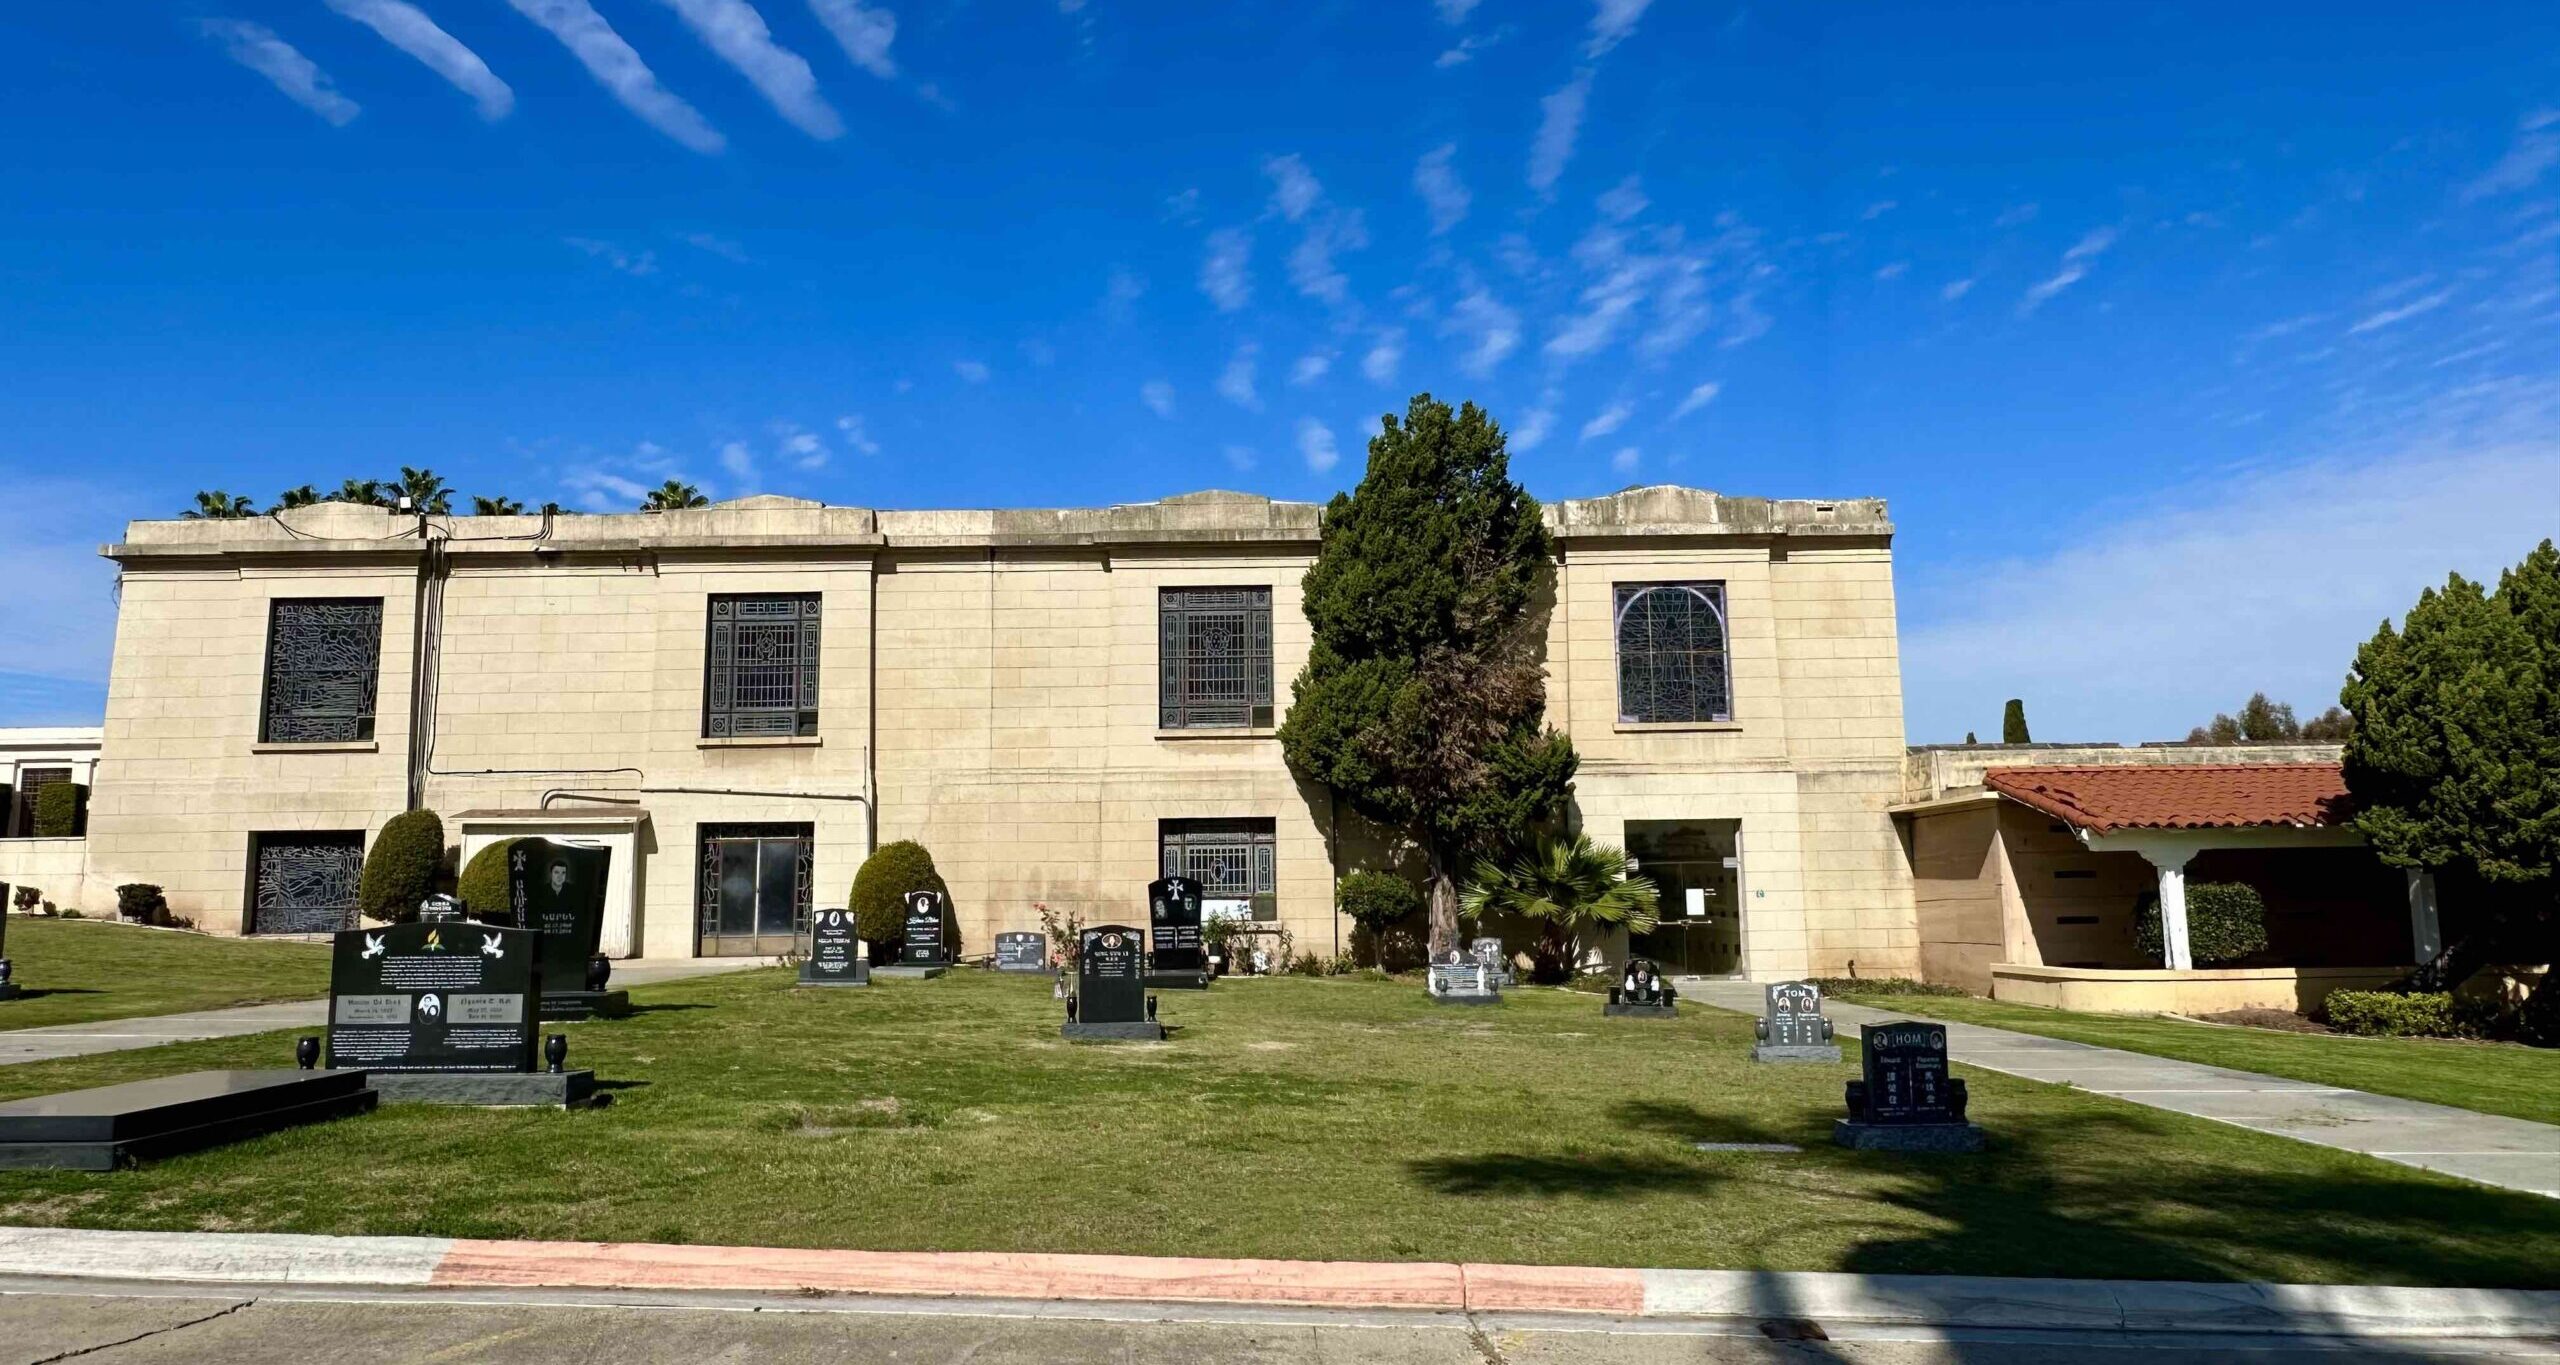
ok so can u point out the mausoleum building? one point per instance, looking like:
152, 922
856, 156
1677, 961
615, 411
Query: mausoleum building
744, 700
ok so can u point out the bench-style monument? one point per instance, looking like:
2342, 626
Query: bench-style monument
446, 1013
558, 889
1791, 1027
1642, 993
1111, 1000
835, 952
1178, 959
1905, 1101
119, 1125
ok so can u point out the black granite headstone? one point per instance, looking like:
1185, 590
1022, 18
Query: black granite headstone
1905, 1100
117, 1125
834, 958
1022, 952
924, 941
1177, 957
1111, 990
1642, 992
1791, 1027
558, 889
434, 997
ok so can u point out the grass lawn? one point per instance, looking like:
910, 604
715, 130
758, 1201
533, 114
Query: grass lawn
72, 971
1289, 1118
2521, 1082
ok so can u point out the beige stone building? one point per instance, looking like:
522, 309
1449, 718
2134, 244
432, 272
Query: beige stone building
744, 700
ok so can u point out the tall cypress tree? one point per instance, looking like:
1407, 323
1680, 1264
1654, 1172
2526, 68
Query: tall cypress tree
1423, 700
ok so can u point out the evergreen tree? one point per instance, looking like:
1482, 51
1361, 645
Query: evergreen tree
2013, 723
2329, 727
1423, 700
2268, 722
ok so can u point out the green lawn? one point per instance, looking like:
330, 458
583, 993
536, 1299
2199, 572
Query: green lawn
1289, 1118
73, 971
2521, 1082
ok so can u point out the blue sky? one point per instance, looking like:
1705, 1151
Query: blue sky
2188, 342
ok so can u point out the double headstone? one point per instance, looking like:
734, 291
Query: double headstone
1022, 952
1904, 1100
835, 952
925, 950
444, 1012
557, 889
1642, 992
1176, 960
1791, 1027
1111, 1000
1488, 953
1458, 979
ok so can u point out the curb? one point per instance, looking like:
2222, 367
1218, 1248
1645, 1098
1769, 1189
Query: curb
1920, 1301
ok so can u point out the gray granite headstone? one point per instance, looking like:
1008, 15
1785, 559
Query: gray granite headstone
1459, 979
1022, 952
1488, 952
1791, 1027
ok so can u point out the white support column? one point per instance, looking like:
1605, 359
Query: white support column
2172, 866
2426, 930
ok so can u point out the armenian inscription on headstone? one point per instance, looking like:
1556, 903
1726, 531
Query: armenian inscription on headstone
1173, 926
1642, 992
1791, 1027
558, 889
835, 957
434, 997
1111, 989
1904, 1099
1022, 952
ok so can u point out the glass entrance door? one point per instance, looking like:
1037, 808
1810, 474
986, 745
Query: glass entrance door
1697, 864
754, 896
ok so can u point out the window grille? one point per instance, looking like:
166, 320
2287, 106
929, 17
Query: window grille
20, 822
762, 665
1671, 653
1231, 859
305, 882
1214, 658
323, 659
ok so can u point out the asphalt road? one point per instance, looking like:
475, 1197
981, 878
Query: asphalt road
127, 1324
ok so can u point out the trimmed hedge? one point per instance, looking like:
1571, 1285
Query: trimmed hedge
58, 809
141, 903
400, 869
482, 887
1377, 901
2390, 1014
1879, 985
2226, 922
880, 893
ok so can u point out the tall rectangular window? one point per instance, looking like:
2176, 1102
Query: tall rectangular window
761, 667
1213, 658
18, 813
324, 656
1236, 863
1672, 665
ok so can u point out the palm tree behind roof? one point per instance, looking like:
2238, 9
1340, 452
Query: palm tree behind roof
361, 492
302, 495
216, 505
672, 495
495, 507
425, 491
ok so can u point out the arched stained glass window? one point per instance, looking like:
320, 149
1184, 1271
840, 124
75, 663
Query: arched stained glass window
1671, 653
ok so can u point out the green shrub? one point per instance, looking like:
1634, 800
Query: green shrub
2538, 1022
26, 898
483, 888
1879, 985
400, 869
2226, 922
1377, 900
880, 893
142, 903
2390, 1014
59, 808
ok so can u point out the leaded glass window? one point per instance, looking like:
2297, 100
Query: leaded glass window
324, 655
1233, 860
304, 882
762, 667
1672, 664
1213, 658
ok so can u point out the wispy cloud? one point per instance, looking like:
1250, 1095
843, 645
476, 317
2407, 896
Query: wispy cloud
1658, 283
1441, 190
1559, 126
856, 434
2015, 215
1226, 272
1325, 229
1892, 270
1491, 328
1235, 382
1468, 46
620, 71
1611, 22
1535, 425
862, 31
1953, 290
1607, 420
407, 28
1121, 294
1157, 394
2536, 151
1239, 458
1385, 353
1698, 398
1315, 444
633, 263
971, 371
2414, 307
2074, 268
721, 247
618, 483
1878, 209
1454, 11
1295, 191
739, 461
734, 30
256, 47
1624, 201
1626, 460
59, 613
802, 449
1311, 367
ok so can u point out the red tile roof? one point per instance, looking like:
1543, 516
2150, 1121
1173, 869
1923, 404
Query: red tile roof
2186, 796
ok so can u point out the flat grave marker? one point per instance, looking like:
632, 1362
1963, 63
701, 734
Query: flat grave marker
111, 1126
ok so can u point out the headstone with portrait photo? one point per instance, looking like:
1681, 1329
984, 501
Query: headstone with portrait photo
1642, 992
557, 890
1791, 1027
1488, 952
1456, 978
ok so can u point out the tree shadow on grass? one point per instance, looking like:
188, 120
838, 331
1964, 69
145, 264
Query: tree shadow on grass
39, 992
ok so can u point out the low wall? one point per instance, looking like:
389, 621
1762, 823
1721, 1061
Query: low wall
2111, 990
58, 869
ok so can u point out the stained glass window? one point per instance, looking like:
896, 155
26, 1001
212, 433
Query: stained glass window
1671, 653
304, 882
323, 658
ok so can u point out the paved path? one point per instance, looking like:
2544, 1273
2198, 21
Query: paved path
2489, 1148
115, 1035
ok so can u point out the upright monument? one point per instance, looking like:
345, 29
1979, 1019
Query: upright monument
1111, 1000
557, 889
1177, 960
445, 1012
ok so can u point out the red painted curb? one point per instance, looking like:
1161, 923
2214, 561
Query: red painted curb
1554, 1289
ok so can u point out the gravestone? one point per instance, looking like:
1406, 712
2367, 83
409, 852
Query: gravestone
440, 909
1791, 1027
926, 951
1111, 1000
835, 955
1487, 951
8, 977
558, 889
1458, 979
119, 1125
1022, 952
1642, 992
1177, 960
444, 1013
1905, 1101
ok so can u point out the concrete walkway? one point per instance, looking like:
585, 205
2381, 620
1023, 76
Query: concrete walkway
116, 1035
2489, 1148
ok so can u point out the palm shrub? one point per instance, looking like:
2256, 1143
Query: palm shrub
1567, 887
482, 886
58, 810
400, 869
880, 894
2226, 922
